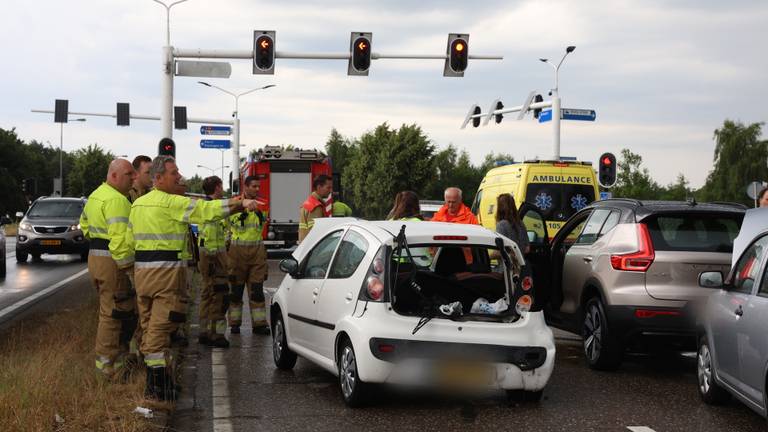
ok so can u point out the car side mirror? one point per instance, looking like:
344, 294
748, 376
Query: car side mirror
19, 215
5, 220
711, 279
531, 236
290, 266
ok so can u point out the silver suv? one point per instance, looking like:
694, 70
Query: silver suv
52, 226
625, 274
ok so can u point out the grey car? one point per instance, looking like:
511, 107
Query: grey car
733, 351
52, 226
624, 273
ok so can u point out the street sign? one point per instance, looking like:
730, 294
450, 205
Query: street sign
569, 114
215, 130
215, 144
203, 69
753, 189
606, 195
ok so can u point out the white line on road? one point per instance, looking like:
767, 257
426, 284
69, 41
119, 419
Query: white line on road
640, 429
21, 303
220, 391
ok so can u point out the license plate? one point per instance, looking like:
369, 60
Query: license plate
464, 374
50, 242
274, 242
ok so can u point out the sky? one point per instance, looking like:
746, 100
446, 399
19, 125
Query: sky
662, 75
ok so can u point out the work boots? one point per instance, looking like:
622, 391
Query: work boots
160, 385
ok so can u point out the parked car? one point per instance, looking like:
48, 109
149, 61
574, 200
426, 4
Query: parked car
624, 273
427, 304
52, 226
733, 350
4, 220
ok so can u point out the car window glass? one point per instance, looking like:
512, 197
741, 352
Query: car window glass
351, 252
610, 222
59, 209
574, 232
746, 270
534, 225
476, 203
694, 232
592, 227
320, 256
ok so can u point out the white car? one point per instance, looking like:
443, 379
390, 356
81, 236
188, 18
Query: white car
418, 303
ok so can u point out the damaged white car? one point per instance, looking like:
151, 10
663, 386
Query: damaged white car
431, 304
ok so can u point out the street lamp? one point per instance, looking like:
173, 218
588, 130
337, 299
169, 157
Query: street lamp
61, 157
556, 99
236, 143
213, 171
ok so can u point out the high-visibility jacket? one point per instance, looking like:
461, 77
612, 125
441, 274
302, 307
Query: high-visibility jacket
159, 224
246, 228
464, 216
341, 210
212, 237
314, 207
104, 222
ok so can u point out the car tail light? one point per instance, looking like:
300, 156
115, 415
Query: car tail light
524, 304
450, 237
386, 348
650, 313
640, 260
374, 284
375, 288
527, 283
378, 265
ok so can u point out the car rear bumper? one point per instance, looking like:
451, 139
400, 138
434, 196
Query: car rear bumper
654, 326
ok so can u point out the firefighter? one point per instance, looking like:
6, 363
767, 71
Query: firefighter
158, 225
143, 182
319, 204
214, 297
104, 222
340, 209
247, 260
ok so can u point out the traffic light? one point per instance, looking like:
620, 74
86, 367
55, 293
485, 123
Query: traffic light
537, 111
166, 147
123, 114
264, 52
607, 171
457, 55
360, 53
498, 117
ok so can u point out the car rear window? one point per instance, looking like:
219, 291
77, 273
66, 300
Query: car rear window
694, 232
559, 201
56, 209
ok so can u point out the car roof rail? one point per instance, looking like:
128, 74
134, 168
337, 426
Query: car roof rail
730, 204
630, 200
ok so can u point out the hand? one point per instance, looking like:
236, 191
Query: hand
250, 204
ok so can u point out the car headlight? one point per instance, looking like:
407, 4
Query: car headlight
24, 226
74, 227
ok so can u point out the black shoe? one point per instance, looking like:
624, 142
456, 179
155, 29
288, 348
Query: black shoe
153, 388
219, 343
261, 330
234, 329
203, 340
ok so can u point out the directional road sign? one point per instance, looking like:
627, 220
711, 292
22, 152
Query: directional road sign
215, 130
545, 116
215, 144
569, 114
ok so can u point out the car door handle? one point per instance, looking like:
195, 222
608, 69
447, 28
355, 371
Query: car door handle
315, 291
587, 259
739, 311
348, 296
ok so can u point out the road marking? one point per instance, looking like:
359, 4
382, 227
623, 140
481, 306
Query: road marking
40, 294
640, 429
220, 392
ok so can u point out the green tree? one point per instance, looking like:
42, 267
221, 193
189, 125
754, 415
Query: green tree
740, 158
633, 180
195, 184
89, 170
677, 191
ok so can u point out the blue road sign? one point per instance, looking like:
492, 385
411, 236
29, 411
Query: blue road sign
569, 114
606, 195
215, 130
215, 144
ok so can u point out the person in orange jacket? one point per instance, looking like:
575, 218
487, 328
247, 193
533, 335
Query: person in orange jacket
454, 210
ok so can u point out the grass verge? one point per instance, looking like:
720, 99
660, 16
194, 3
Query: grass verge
47, 372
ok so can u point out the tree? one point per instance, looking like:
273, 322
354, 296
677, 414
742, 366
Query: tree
88, 170
677, 191
632, 180
740, 158
195, 184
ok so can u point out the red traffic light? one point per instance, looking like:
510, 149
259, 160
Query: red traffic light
607, 161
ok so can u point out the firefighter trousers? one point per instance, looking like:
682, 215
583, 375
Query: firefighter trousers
117, 312
247, 266
214, 295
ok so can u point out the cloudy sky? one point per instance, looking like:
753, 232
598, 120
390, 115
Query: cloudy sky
662, 75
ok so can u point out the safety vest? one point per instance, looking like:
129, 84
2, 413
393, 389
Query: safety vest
246, 228
212, 237
341, 210
104, 222
159, 224
313, 201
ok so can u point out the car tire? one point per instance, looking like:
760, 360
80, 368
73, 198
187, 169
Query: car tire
285, 359
711, 393
21, 256
525, 395
353, 390
602, 349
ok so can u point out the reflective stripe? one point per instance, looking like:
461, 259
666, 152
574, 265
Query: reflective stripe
225, 207
302, 225
154, 363
124, 261
258, 314
209, 251
220, 327
190, 208
160, 264
160, 236
248, 226
117, 219
99, 252
98, 230
235, 312
246, 242
310, 223
102, 362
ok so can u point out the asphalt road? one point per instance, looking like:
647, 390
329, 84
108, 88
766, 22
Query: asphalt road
649, 393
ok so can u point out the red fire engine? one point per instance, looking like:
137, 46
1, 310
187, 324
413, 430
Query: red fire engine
285, 181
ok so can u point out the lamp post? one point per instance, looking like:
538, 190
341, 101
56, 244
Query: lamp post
61, 156
556, 99
236, 131
166, 100
213, 170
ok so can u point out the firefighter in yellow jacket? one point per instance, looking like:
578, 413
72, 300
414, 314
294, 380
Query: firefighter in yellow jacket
247, 260
214, 296
110, 260
158, 226
319, 204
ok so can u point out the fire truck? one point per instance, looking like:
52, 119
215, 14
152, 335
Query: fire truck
285, 181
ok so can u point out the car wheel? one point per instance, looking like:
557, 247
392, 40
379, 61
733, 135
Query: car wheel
602, 349
284, 358
524, 395
710, 392
353, 390
21, 256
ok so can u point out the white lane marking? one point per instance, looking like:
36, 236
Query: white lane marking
220, 392
21, 303
640, 429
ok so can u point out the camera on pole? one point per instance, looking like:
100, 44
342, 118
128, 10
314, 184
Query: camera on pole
607, 170
166, 147
264, 52
360, 53
457, 55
